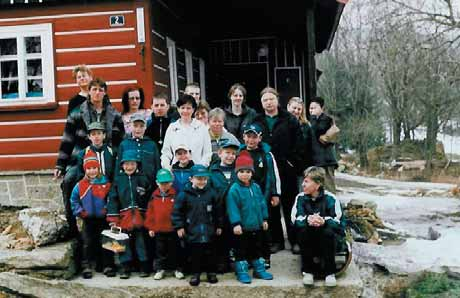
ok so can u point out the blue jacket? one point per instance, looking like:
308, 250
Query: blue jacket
199, 212
147, 153
88, 198
265, 170
219, 182
246, 206
181, 176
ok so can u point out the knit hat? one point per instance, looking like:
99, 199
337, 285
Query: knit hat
164, 176
244, 162
90, 160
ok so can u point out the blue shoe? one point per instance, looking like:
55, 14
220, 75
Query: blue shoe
241, 271
259, 270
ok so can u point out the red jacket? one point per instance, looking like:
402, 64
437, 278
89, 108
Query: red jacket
159, 209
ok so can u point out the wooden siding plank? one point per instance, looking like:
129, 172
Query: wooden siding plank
94, 40
97, 57
27, 163
27, 147
108, 74
31, 130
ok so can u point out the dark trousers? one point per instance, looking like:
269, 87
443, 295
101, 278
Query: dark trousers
136, 238
202, 257
92, 245
319, 242
68, 183
168, 251
249, 246
288, 193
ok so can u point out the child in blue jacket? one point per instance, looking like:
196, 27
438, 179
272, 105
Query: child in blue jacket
88, 201
248, 215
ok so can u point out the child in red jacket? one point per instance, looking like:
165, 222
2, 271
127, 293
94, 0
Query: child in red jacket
158, 223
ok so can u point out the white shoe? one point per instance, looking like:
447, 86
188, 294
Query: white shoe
178, 274
330, 281
159, 275
307, 279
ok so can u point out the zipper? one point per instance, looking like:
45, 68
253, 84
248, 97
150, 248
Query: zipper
132, 199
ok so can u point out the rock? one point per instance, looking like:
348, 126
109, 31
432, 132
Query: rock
54, 261
453, 272
44, 226
6, 240
7, 230
371, 205
433, 234
355, 203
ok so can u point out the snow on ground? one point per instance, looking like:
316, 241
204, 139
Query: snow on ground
401, 209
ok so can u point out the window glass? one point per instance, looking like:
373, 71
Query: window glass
33, 44
35, 88
8, 46
34, 67
9, 69
10, 89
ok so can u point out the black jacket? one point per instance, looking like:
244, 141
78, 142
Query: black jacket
286, 140
199, 212
157, 130
323, 154
234, 124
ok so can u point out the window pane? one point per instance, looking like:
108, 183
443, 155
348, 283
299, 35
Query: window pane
10, 89
8, 46
34, 67
9, 69
35, 88
33, 44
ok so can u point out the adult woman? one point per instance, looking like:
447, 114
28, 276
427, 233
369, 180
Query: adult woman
296, 107
219, 135
189, 131
238, 114
133, 103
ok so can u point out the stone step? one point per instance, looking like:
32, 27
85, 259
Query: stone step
285, 267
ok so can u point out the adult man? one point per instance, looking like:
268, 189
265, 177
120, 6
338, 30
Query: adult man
283, 133
75, 138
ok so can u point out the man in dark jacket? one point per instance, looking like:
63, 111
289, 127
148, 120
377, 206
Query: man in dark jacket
161, 119
75, 138
283, 133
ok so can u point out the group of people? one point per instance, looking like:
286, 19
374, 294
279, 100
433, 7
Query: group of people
198, 189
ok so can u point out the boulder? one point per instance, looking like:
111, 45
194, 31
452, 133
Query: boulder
43, 226
54, 261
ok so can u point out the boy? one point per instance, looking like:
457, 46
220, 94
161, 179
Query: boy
104, 153
265, 175
82, 75
145, 148
158, 223
318, 215
161, 119
197, 217
88, 201
323, 153
194, 90
182, 168
248, 214
222, 176
126, 206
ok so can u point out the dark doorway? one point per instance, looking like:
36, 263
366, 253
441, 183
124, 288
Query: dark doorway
252, 76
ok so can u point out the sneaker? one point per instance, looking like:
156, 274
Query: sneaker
212, 278
87, 273
308, 279
195, 280
159, 275
330, 281
179, 275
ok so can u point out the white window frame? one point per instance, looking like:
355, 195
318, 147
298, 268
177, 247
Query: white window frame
171, 45
45, 31
189, 66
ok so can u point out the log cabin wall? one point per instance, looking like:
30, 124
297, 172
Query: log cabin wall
81, 34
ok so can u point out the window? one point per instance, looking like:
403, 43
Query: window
26, 65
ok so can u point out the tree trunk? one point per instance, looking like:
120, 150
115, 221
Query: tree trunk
396, 131
430, 140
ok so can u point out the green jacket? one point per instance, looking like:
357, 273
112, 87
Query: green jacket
246, 206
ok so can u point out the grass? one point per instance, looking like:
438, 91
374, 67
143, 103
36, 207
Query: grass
433, 285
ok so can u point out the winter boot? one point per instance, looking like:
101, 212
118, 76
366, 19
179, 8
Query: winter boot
259, 269
241, 271
195, 280
125, 272
144, 269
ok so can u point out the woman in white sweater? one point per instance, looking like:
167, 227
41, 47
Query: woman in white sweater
189, 131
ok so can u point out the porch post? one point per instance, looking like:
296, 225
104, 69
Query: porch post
310, 53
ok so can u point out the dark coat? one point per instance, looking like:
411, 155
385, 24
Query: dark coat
246, 206
104, 156
286, 140
219, 182
181, 175
199, 212
147, 153
128, 200
234, 124
323, 154
75, 136
156, 130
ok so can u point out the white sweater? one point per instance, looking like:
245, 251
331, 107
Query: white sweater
195, 136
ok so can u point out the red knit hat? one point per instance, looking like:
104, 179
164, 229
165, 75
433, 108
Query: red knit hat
90, 160
244, 161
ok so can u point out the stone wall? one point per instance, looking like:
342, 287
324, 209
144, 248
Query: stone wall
30, 189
